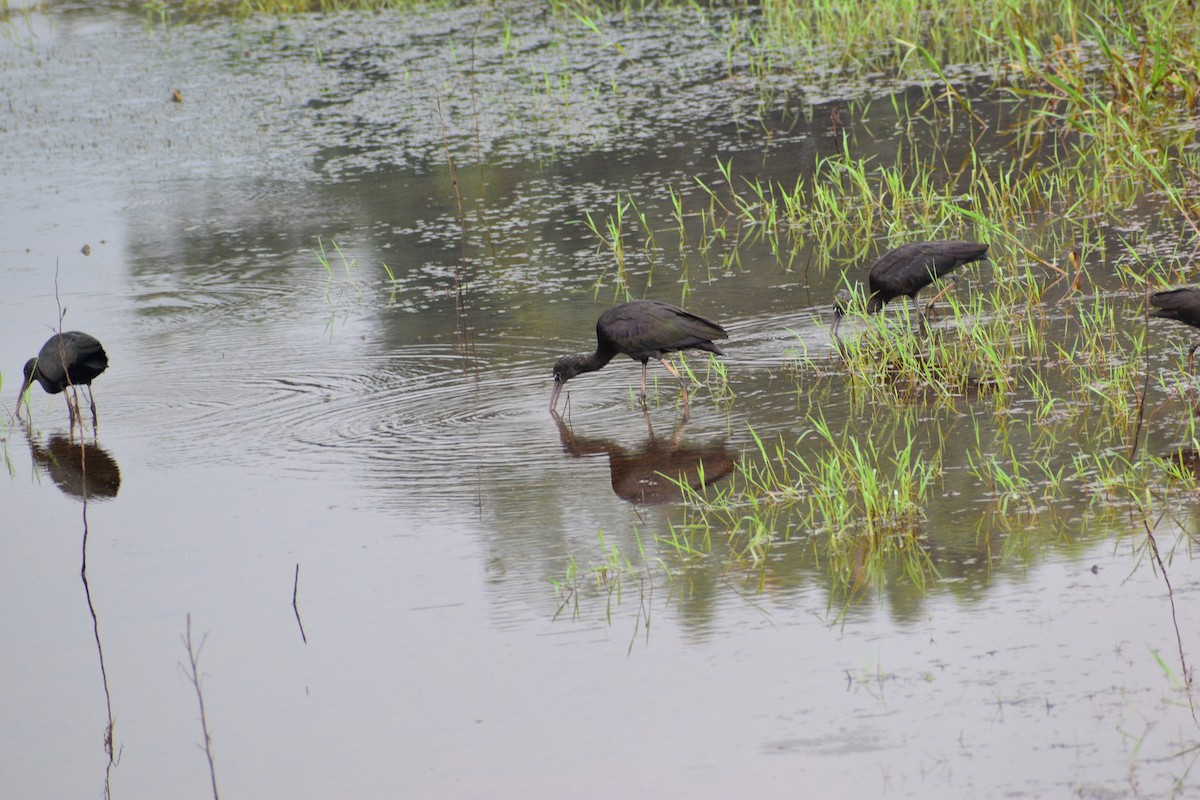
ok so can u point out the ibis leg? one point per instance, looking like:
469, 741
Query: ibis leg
682, 385
71, 408
945, 288
922, 329
92, 401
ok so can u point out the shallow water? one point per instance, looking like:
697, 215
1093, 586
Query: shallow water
378, 451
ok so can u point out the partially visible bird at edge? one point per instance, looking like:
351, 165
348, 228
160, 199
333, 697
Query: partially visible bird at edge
906, 270
642, 330
1181, 305
66, 359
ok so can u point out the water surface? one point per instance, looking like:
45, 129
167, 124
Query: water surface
378, 448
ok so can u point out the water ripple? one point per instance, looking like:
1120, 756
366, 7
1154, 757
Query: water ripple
418, 415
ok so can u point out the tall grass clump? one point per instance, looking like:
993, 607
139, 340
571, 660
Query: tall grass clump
970, 357
858, 497
1122, 83
974, 345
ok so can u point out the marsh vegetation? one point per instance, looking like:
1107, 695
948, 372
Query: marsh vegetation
369, 229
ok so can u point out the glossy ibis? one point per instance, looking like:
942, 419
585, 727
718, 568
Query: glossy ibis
1182, 305
908, 269
66, 359
642, 330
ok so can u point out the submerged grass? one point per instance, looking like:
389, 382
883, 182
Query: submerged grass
1099, 117
1054, 376
1100, 131
975, 354
858, 500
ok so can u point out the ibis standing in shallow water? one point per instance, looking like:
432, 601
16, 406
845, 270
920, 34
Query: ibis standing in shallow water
908, 269
642, 330
67, 359
1181, 305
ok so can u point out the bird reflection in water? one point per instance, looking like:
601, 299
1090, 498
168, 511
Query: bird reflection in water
87, 472
79, 469
648, 474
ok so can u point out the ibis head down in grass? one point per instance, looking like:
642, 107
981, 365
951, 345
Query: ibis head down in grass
906, 270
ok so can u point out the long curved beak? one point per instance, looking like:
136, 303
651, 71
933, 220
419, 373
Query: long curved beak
554, 395
21, 396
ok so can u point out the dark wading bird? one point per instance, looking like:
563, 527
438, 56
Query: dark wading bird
67, 359
906, 270
1182, 305
642, 330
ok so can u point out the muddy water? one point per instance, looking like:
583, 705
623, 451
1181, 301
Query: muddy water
349, 480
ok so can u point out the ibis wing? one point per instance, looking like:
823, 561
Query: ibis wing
90, 358
910, 267
646, 328
53, 358
1180, 304
75, 353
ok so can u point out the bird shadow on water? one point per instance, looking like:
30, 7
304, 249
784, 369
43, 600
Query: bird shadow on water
86, 472
655, 471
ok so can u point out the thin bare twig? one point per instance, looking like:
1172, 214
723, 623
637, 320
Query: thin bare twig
192, 671
1187, 673
72, 408
462, 309
87, 593
1141, 412
295, 608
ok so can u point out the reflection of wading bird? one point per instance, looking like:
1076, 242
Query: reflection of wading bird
67, 359
906, 270
1181, 305
81, 470
655, 471
642, 330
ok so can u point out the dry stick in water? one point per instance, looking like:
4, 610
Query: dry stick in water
295, 608
462, 311
1137, 431
1141, 415
73, 400
62, 357
87, 593
192, 671
1187, 675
